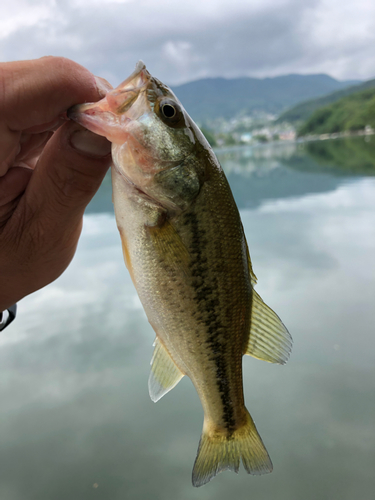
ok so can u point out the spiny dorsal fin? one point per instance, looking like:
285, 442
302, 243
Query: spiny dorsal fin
164, 373
269, 339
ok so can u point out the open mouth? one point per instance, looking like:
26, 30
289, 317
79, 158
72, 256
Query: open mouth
108, 116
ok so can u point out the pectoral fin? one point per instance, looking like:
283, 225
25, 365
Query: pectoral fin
169, 246
269, 339
164, 373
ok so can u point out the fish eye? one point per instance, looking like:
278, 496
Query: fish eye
171, 113
168, 110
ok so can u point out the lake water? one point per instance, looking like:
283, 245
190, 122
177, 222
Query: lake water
76, 421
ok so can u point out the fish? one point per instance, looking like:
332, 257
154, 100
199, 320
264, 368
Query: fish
185, 249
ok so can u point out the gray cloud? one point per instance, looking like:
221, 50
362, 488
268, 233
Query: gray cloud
189, 40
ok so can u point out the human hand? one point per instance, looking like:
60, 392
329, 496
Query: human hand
50, 168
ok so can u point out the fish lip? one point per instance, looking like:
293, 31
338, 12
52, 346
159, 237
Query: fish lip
90, 116
74, 113
93, 115
130, 83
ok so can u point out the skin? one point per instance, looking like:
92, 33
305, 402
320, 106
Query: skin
50, 168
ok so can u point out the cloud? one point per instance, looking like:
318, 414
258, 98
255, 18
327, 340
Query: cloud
182, 41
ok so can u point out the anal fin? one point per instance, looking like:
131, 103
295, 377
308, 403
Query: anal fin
164, 373
269, 339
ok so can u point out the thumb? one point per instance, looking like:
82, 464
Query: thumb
68, 174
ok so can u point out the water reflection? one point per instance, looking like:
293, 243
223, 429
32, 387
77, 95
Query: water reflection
76, 419
349, 156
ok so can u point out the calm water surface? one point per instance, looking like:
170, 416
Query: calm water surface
76, 421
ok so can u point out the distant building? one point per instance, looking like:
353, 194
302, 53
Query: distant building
289, 135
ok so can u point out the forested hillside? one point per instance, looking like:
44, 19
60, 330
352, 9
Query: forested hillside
301, 112
350, 113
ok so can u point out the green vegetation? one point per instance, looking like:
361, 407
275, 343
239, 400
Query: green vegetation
350, 113
220, 138
301, 112
261, 138
227, 139
353, 155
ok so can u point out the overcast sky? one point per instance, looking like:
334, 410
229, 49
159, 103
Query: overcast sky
183, 40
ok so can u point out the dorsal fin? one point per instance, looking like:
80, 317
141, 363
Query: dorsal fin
269, 339
164, 373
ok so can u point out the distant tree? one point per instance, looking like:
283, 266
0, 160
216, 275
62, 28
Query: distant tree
302, 111
261, 138
229, 140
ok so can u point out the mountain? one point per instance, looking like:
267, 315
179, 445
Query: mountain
350, 113
212, 98
304, 110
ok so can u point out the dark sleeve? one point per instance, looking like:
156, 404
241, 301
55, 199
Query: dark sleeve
12, 311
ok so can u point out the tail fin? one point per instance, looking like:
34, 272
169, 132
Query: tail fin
218, 452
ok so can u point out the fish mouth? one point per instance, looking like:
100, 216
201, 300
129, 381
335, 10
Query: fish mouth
137, 80
94, 118
108, 116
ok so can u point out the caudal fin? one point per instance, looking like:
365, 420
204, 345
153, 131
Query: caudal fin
218, 452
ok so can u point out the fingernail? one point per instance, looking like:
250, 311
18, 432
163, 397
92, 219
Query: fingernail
90, 144
103, 86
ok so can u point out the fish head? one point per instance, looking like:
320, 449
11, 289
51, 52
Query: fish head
152, 137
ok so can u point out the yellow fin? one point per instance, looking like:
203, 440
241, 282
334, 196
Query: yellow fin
269, 339
169, 245
218, 452
164, 373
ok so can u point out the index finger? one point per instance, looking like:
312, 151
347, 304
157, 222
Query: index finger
37, 91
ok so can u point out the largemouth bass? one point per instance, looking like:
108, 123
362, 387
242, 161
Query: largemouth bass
186, 252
